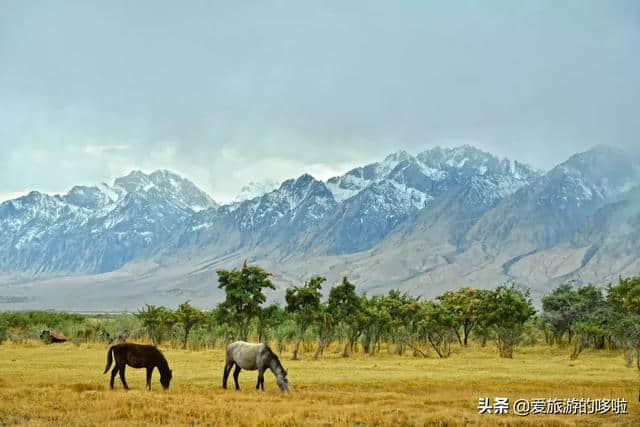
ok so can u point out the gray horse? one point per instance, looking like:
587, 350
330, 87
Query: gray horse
250, 356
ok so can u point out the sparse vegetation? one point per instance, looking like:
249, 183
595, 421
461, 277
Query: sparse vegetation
63, 385
373, 331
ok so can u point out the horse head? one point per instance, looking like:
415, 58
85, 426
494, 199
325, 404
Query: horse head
283, 379
165, 378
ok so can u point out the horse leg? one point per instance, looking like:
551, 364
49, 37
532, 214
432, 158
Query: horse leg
260, 378
236, 373
149, 372
124, 381
227, 371
114, 371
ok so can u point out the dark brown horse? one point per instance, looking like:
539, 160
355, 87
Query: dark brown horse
137, 356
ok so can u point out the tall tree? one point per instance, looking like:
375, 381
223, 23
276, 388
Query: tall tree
376, 322
157, 320
506, 311
244, 291
402, 309
345, 308
561, 310
268, 319
303, 302
464, 306
624, 299
438, 324
325, 326
188, 317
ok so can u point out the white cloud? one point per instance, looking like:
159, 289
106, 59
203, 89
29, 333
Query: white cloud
228, 94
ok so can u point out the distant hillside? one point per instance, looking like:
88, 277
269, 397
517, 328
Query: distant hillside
425, 223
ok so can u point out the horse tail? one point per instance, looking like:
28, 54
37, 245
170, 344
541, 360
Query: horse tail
109, 359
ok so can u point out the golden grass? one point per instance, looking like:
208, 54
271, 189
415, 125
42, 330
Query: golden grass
63, 384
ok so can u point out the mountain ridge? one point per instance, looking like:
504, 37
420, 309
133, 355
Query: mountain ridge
442, 218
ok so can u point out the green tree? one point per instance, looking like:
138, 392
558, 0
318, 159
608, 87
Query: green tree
625, 296
218, 329
188, 317
592, 326
345, 308
436, 323
303, 302
244, 296
401, 308
591, 331
285, 331
325, 328
376, 322
464, 306
624, 300
268, 319
579, 312
157, 320
4, 327
561, 309
506, 311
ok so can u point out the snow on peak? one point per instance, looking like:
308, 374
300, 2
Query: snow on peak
432, 169
179, 191
397, 157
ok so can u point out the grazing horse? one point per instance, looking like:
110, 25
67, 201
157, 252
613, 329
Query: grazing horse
137, 356
250, 356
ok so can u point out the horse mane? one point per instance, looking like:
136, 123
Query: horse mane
273, 356
269, 351
163, 365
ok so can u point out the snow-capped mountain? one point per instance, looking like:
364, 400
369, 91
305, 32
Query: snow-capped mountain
96, 229
378, 197
277, 218
554, 206
443, 218
357, 179
178, 191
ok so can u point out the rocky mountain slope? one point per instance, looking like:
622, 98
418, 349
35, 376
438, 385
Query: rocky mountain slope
425, 223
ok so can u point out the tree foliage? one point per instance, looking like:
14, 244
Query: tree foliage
303, 303
188, 317
244, 292
505, 311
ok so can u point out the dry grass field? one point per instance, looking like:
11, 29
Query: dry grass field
63, 384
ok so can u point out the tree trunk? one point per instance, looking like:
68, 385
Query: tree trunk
417, 351
505, 349
578, 346
345, 352
320, 349
295, 350
185, 338
628, 355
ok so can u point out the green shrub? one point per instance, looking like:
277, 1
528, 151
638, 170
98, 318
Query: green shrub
4, 330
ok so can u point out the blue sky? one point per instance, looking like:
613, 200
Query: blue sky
230, 92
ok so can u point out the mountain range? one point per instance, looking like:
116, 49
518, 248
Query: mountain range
425, 223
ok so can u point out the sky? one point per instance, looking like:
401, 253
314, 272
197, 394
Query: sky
225, 93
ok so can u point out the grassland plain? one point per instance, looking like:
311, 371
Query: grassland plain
63, 384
